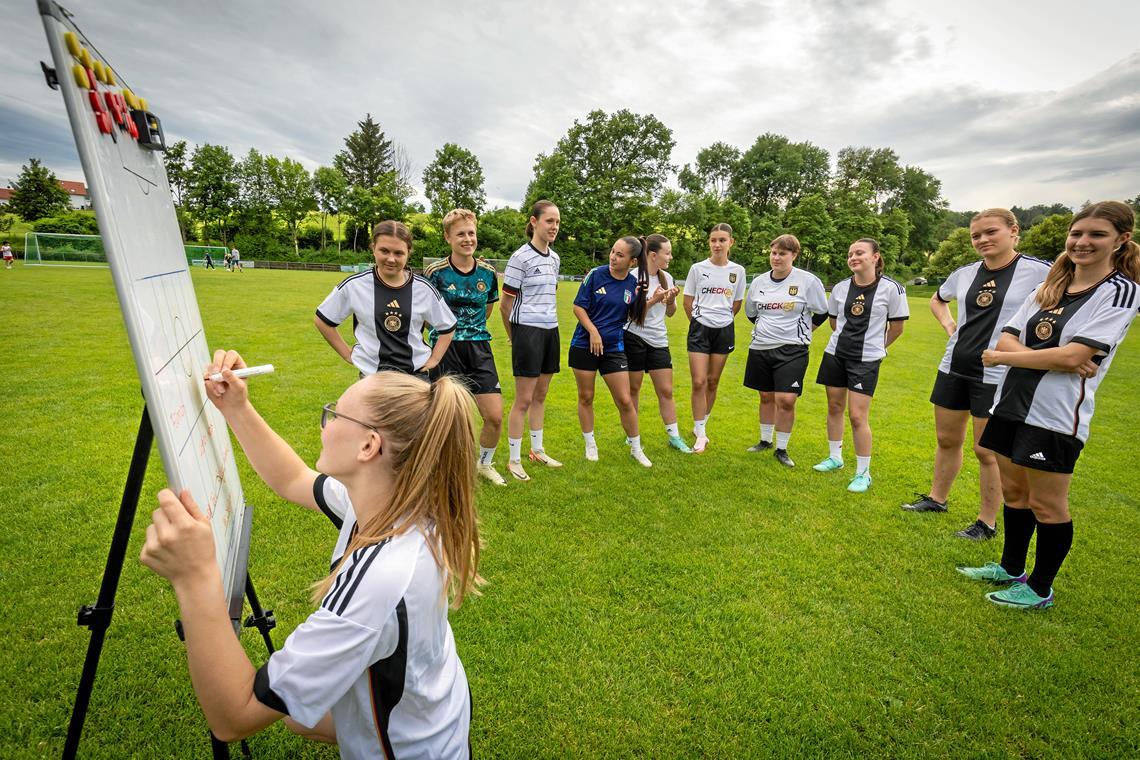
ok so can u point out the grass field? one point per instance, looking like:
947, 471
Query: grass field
716, 605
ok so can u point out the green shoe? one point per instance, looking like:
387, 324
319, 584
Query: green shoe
829, 465
991, 572
860, 483
679, 444
1021, 597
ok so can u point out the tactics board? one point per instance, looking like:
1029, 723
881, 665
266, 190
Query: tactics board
120, 144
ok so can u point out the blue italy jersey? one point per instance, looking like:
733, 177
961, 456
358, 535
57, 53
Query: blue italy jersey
607, 303
467, 295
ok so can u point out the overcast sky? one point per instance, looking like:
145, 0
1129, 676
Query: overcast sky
1008, 103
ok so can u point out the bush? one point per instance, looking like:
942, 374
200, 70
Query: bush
265, 247
69, 223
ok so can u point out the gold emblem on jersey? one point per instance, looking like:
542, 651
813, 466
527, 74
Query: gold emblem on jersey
858, 306
985, 298
480, 286
793, 289
732, 277
393, 323
1044, 329
789, 305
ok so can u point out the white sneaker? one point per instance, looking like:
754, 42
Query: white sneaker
516, 469
488, 472
640, 457
592, 452
542, 458
700, 444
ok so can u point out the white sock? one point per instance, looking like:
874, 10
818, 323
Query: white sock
515, 446
486, 454
782, 440
699, 428
766, 432
836, 449
589, 439
635, 442
672, 429
862, 464
536, 440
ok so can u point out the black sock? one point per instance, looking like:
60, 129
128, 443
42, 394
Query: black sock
1053, 543
1019, 525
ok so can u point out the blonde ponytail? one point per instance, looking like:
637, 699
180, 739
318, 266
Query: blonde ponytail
429, 433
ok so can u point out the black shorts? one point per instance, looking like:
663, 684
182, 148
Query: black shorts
779, 369
858, 377
1031, 446
961, 394
607, 363
471, 362
711, 340
644, 357
534, 350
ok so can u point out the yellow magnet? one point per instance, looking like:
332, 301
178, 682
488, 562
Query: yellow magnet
85, 57
81, 76
72, 43
143, 105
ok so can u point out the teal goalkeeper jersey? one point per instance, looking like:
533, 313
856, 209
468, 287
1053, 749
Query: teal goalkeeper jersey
467, 295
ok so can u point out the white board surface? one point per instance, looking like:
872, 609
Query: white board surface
131, 195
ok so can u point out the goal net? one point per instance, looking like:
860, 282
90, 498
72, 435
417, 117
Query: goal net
59, 249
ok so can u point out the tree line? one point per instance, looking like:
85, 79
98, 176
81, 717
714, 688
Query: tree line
611, 175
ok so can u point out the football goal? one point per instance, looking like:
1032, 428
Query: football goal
59, 249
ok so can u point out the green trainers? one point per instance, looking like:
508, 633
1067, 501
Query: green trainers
679, 444
1019, 596
828, 465
860, 483
991, 572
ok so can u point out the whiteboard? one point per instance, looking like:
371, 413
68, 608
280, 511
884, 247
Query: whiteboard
131, 195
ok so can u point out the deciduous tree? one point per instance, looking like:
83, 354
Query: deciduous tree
454, 180
36, 192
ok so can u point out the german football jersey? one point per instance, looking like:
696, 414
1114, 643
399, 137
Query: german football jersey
861, 314
986, 298
378, 652
387, 322
467, 294
1063, 401
532, 278
606, 301
653, 331
782, 309
714, 290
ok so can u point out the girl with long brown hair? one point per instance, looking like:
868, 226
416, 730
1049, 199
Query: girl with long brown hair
375, 665
1058, 347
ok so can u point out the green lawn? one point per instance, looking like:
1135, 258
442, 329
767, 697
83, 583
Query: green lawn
713, 606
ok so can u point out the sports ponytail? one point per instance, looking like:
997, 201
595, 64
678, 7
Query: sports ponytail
636, 248
429, 433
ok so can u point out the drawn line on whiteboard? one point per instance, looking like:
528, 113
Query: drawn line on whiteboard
144, 179
176, 353
161, 274
193, 426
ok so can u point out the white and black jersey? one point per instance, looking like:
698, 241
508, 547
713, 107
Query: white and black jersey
532, 278
387, 322
653, 331
1063, 401
782, 309
379, 652
987, 298
861, 313
714, 289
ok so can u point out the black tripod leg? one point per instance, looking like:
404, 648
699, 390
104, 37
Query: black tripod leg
260, 619
98, 618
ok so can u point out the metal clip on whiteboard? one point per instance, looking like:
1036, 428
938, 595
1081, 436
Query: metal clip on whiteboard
150, 130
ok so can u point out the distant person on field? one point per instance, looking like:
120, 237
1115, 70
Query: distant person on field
785, 304
988, 292
609, 297
714, 291
529, 308
389, 305
227, 260
647, 342
6, 252
209, 261
1058, 347
470, 289
235, 260
374, 668
867, 312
